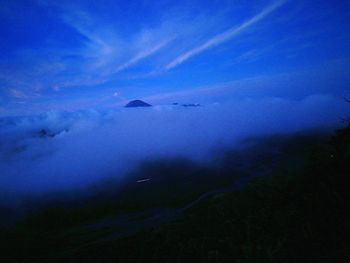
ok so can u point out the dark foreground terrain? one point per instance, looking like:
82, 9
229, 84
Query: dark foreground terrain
280, 199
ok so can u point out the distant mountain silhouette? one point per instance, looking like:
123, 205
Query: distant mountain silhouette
137, 103
191, 105
45, 133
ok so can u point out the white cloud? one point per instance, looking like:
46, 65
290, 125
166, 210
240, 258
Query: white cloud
225, 36
142, 55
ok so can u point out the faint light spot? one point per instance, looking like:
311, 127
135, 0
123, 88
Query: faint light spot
143, 180
17, 94
56, 87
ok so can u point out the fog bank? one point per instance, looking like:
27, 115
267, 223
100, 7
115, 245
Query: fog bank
66, 151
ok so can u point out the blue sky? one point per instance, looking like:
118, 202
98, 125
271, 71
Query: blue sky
67, 55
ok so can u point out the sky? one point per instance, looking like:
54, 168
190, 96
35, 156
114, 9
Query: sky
67, 68
70, 55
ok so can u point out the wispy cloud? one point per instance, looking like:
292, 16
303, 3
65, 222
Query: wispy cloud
20, 95
102, 52
142, 55
17, 94
320, 77
225, 36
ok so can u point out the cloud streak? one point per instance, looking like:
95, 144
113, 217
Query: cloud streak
142, 55
225, 36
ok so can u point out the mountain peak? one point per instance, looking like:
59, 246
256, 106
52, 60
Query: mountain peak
137, 103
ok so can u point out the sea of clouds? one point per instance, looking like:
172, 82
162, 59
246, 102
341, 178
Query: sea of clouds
68, 151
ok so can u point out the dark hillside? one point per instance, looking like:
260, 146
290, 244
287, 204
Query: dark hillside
296, 210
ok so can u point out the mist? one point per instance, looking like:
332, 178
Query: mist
68, 151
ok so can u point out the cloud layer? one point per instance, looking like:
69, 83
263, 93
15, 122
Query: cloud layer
61, 151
